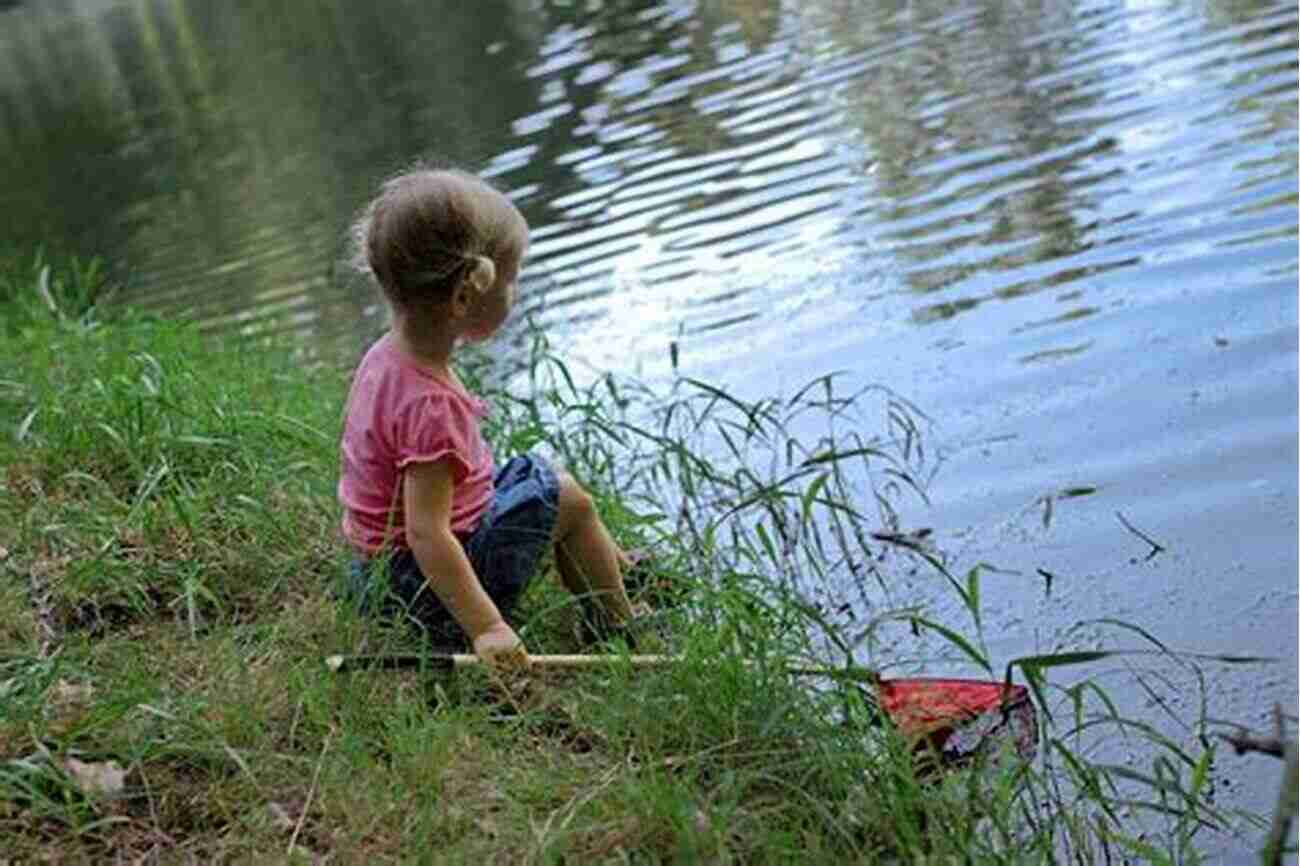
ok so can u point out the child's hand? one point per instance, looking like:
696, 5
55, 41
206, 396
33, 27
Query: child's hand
501, 648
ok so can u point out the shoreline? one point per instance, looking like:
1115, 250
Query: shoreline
168, 537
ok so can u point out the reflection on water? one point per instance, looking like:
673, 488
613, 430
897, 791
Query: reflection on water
1068, 225
216, 149
693, 174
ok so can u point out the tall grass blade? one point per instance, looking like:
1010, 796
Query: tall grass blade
968, 649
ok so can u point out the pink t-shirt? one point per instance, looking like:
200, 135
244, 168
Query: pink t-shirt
399, 414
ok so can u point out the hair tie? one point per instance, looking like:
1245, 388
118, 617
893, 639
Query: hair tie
482, 273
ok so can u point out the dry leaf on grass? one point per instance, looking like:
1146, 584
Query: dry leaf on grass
106, 778
71, 693
280, 816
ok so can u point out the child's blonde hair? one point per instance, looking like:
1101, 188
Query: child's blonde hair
429, 230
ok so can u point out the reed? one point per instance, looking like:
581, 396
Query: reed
167, 540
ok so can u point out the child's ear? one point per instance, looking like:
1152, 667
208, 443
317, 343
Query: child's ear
461, 300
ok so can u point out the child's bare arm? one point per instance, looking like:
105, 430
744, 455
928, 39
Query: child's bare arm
427, 490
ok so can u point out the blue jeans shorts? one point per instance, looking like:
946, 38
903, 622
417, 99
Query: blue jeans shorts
505, 550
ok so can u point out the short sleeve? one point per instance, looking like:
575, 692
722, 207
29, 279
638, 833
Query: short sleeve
428, 429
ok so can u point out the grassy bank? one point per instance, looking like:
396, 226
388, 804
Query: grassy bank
168, 546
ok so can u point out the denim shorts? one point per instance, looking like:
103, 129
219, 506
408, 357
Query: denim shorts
505, 550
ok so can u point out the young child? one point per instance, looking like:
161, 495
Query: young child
455, 538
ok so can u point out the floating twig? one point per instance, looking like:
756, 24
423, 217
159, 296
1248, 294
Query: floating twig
1274, 745
1048, 577
1243, 743
911, 540
1156, 547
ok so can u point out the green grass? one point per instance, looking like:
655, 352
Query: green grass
168, 527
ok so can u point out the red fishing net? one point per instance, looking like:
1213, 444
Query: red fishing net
957, 720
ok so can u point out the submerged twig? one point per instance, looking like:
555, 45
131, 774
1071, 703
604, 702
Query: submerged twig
1156, 547
1288, 798
1284, 813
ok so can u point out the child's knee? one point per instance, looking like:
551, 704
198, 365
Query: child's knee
575, 503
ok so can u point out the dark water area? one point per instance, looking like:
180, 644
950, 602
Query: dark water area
1066, 231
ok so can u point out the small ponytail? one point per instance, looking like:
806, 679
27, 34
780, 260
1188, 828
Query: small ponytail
482, 273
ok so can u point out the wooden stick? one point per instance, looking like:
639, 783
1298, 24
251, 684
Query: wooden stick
457, 661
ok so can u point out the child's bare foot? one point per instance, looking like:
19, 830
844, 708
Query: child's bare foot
641, 630
646, 581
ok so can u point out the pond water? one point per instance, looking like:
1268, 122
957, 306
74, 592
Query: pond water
1066, 231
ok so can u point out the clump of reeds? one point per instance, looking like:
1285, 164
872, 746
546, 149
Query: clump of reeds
168, 546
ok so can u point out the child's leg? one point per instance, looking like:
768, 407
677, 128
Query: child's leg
589, 560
